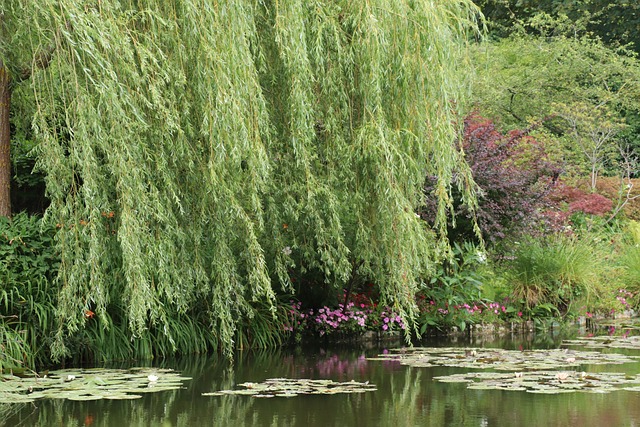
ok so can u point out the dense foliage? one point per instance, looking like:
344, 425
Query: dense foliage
27, 295
198, 153
614, 22
234, 174
582, 92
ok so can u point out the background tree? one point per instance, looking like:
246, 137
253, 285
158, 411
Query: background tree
19, 59
524, 79
199, 152
615, 23
595, 134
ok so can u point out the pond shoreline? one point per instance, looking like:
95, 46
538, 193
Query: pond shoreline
582, 325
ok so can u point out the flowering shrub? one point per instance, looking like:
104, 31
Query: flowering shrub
611, 304
439, 315
347, 320
358, 318
355, 318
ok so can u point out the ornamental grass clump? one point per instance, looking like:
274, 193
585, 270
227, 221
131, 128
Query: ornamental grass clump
558, 270
630, 257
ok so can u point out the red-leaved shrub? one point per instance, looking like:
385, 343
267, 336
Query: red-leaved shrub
513, 174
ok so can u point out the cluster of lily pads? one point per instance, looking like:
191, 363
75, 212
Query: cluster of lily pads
534, 371
499, 359
286, 387
546, 382
626, 342
88, 384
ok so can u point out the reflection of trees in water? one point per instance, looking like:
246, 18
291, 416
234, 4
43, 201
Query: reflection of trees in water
405, 396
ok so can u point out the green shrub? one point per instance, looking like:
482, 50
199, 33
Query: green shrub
456, 281
27, 296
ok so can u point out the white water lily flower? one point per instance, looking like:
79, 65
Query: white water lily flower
152, 378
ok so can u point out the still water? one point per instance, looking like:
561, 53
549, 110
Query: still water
405, 396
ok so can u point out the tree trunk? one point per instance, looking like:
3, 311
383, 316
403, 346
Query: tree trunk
5, 142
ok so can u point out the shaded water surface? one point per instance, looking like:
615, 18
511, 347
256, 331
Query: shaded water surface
405, 396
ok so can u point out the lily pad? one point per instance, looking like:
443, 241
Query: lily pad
88, 384
629, 342
547, 382
285, 387
504, 360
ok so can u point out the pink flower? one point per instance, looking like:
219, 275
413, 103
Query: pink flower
385, 327
519, 314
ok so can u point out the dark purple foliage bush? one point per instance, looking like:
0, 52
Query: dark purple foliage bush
513, 175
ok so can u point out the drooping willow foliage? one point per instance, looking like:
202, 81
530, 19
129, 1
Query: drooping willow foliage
198, 151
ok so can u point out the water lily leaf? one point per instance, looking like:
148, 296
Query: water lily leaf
89, 384
629, 342
547, 381
502, 360
285, 387
122, 396
85, 397
549, 391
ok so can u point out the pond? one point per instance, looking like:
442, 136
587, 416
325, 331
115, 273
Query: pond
391, 393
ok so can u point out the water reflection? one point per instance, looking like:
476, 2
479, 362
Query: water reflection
406, 396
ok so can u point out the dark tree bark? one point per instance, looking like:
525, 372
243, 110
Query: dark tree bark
5, 142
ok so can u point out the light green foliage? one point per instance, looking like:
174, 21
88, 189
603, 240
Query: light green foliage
525, 79
197, 151
594, 132
520, 77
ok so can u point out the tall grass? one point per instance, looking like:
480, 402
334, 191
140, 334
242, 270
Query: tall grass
630, 258
112, 340
263, 328
556, 270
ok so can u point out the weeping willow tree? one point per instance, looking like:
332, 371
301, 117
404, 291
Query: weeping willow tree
199, 151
